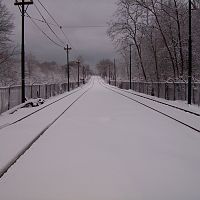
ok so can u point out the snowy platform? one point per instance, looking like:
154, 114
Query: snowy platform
104, 147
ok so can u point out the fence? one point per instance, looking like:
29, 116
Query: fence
167, 90
11, 96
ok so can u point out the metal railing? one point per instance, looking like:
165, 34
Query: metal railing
166, 90
11, 96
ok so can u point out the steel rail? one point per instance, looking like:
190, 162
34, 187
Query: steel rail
147, 106
157, 101
28, 115
5, 169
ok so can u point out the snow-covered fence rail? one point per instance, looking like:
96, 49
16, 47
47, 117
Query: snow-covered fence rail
11, 96
166, 90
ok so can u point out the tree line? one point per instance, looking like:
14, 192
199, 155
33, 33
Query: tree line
157, 31
35, 71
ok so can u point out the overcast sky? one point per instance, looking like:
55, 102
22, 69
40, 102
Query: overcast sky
92, 43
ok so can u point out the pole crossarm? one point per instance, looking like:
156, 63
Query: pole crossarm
21, 2
67, 48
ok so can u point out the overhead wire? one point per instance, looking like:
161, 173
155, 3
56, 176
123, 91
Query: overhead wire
55, 22
45, 21
38, 27
86, 26
40, 20
75, 26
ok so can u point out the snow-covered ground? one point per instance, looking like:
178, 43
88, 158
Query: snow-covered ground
21, 111
104, 147
181, 115
15, 137
178, 103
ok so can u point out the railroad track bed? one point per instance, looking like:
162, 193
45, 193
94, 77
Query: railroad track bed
17, 138
14, 115
185, 117
105, 137
178, 104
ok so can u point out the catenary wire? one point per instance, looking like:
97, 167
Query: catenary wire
75, 26
43, 31
45, 21
55, 21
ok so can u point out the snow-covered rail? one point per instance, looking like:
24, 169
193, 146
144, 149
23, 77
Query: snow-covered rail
41, 108
11, 96
105, 146
169, 90
144, 96
13, 160
185, 117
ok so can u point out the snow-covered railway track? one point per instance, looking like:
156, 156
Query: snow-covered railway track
12, 161
40, 109
181, 116
157, 101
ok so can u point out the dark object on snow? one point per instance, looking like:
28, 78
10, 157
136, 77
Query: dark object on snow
152, 92
34, 103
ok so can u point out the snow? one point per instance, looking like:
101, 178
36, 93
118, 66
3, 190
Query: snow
185, 117
20, 111
178, 103
103, 147
15, 137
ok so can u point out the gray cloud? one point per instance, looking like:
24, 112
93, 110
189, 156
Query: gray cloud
92, 43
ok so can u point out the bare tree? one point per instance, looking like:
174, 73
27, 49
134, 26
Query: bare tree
196, 4
6, 28
128, 27
103, 67
159, 31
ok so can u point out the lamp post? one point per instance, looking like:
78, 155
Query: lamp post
190, 55
21, 4
68, 77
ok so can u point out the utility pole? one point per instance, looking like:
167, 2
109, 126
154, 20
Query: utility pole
68, 77
109, 74
83, 72
115, 72
190, 55
21, 4
130, 67
78, 62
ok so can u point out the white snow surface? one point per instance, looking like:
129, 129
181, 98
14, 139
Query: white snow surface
20, 111
105, 147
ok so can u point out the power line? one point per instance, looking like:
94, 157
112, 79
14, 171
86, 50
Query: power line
40, 20
87, 26
60, 40
43, 31
55, 21
48, 13
66, 37
74, 26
